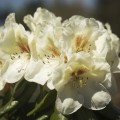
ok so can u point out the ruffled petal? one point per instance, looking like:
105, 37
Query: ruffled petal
41, 16
15, 70
100, 100
68, 100
89, 91
39, 72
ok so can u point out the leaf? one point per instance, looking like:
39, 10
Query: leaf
44, 117
23, 99
9, 106
47, 101
58, 116
26, 95
19, 88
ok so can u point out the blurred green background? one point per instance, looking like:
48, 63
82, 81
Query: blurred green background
103, 10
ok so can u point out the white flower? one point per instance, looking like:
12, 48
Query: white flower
41, 16
80, 81
14, 49
90, 36
89, 57
45, 46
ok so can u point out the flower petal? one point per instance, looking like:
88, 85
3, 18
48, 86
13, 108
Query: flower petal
2, 83
100, 100
15, 70
68, 100
41, 16
89, 91
38, 72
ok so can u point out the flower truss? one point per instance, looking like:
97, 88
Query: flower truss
90, 57
14, 51
77, 57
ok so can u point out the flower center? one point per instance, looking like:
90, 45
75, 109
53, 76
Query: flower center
81, 43
20, 50
52, 53
80, 77
23, 45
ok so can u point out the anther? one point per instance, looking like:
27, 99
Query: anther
81, 83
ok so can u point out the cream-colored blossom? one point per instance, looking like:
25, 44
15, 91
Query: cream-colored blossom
14, 49
41, 16
90, 36
45, 46
89, 57
80, 81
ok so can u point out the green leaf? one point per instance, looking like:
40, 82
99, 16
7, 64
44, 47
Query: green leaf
24, 98
44, 117
8, 107
58, 116
26, 95
47, 101
19, 89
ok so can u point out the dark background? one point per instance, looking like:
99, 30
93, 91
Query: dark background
103, 10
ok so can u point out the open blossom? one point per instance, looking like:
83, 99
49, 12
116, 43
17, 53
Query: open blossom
42, 16
14, 50
80, 82
89, 35
45, 46
90, 54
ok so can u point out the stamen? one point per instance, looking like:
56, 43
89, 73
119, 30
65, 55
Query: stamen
81, 83
20, 70
65, 59
18, 56
23, 45
43, 62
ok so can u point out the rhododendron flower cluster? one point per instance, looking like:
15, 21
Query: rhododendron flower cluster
77, 57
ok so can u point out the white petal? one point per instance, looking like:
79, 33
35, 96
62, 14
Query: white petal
88, 92
108, 81
10, 19
2, 83
50, 84
15, 70
68, 105
41, 16
38, 72
100, 100
68, 100
32, 70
